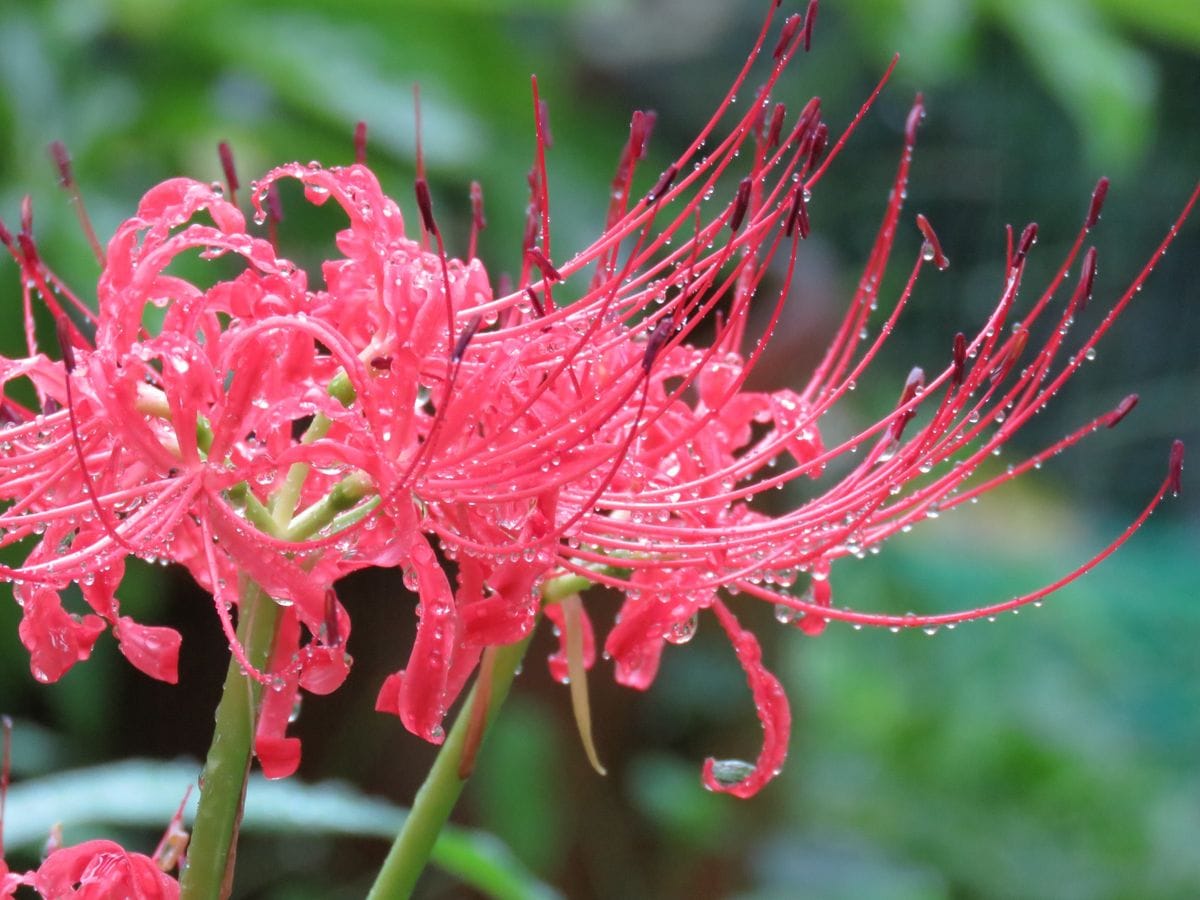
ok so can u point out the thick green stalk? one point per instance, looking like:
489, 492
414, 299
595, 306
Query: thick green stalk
442, 786
435, 800
211, 852
213, 846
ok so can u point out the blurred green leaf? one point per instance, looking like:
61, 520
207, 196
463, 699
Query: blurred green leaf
1111, 101
1173, 20
519, 782
664, 789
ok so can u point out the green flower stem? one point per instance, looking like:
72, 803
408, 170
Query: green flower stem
211, 852
434, 801
441, 789
213, 846
345, 495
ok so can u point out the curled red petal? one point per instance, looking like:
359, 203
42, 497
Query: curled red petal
324, 670
773, 713
636, 642
422, 700
388, 698
150, 648
55, 639
278, 756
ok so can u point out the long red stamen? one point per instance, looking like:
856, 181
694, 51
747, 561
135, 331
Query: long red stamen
62, 159
227, 166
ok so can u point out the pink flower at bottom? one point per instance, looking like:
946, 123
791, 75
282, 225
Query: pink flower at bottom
101, 870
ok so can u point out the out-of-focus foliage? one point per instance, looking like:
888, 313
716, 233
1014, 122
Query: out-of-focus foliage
1046, 756
137, 794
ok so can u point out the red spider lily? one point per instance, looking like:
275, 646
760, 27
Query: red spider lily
101, 869
288, 434
93, 870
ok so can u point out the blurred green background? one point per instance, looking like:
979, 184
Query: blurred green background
1050, 755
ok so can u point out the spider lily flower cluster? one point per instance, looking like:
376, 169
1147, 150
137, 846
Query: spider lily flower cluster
266, 429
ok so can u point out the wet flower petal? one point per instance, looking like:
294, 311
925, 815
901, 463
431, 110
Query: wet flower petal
773, 712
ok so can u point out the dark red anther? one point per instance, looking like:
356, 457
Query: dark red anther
1124, 408
1175, 468
1087, 277
960, 359
776, 127
657, 340
460, 346
1097, 204
663, 184
640, 129
62, 329
741, 203
538, 258
817, 148
915, 115
533, 225
535, 301
1015, 349
228, 168
425, 204
5, 235
381, 363
808, 116
1028, 239
933, 253
810, 20
25, 238
914, 383
477, 216
790, 27
62, 159
798, 216
274, 204
360, 143
333, 628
